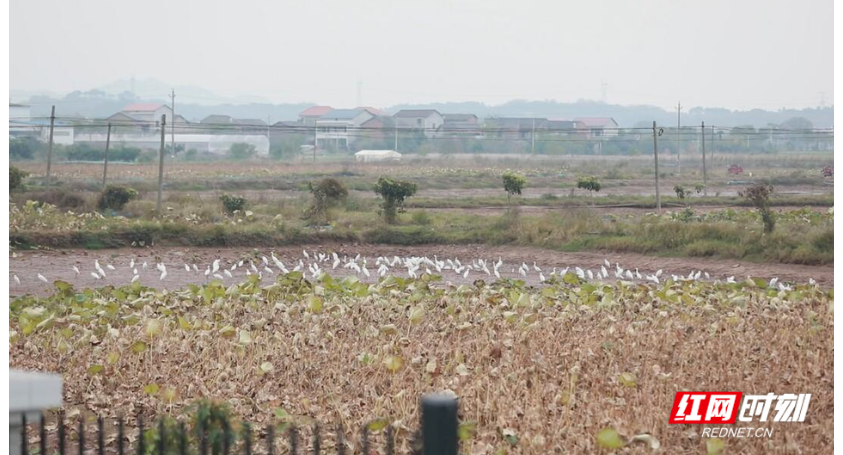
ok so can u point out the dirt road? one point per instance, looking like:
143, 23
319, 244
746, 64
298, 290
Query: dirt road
58, 265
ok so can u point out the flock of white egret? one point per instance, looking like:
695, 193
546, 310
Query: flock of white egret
314, 263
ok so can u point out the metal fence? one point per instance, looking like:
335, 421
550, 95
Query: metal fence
437, 435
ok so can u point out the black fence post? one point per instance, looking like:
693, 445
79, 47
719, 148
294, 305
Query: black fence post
390, 440
270, 440
42, 433
317, 441
294, 440
23, 442
81, 435
439, 425
119, 435
61, 433
100, 436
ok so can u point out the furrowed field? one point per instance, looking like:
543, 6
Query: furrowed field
536, 370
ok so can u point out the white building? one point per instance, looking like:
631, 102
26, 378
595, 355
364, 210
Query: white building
147, 112
369, 156
428, 120
339, 127
599, 127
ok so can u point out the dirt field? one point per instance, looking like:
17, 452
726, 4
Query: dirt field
58, 265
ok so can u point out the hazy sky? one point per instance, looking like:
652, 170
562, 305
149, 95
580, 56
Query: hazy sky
737, 54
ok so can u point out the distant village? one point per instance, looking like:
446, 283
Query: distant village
322, 127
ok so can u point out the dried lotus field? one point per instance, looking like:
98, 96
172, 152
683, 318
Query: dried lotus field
537, 370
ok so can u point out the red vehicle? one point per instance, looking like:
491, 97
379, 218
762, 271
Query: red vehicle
828, 171
735, 169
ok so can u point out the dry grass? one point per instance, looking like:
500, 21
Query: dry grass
541, 363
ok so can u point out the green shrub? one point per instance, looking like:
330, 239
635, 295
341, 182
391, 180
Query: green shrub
21, 149
327, 193
233, 204
513, 184
242, 151
394, 193
759, 196
589, 183
115, 197
16, 177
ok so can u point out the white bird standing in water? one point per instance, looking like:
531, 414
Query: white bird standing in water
17, 280
76, 269
41, 277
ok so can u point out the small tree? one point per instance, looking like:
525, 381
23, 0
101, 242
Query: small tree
513, 184
759, 196
115, 197
326, 194
680, 192
232, 204
393, 192
16, 177
699, 188
242, 151
590, 184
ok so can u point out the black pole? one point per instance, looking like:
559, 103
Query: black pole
247, 438
23, 441
100, 436
61, 433
270, 440
42, 433
390, 440
119, 435
439, 425
81, 435
294, 441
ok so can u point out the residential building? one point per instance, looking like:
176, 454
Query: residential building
515, 127
148, 112
340, 127
428, 120
311, 114
599, 127
461, 123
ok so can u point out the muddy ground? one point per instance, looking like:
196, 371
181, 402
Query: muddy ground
58, 264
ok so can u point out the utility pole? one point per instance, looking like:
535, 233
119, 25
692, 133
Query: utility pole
315, 139
105, 165
705, 174
679, 137
173, 123
161, 164
656, 161
50, 147
396, 137
533, 139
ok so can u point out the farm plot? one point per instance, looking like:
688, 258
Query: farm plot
536, 370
